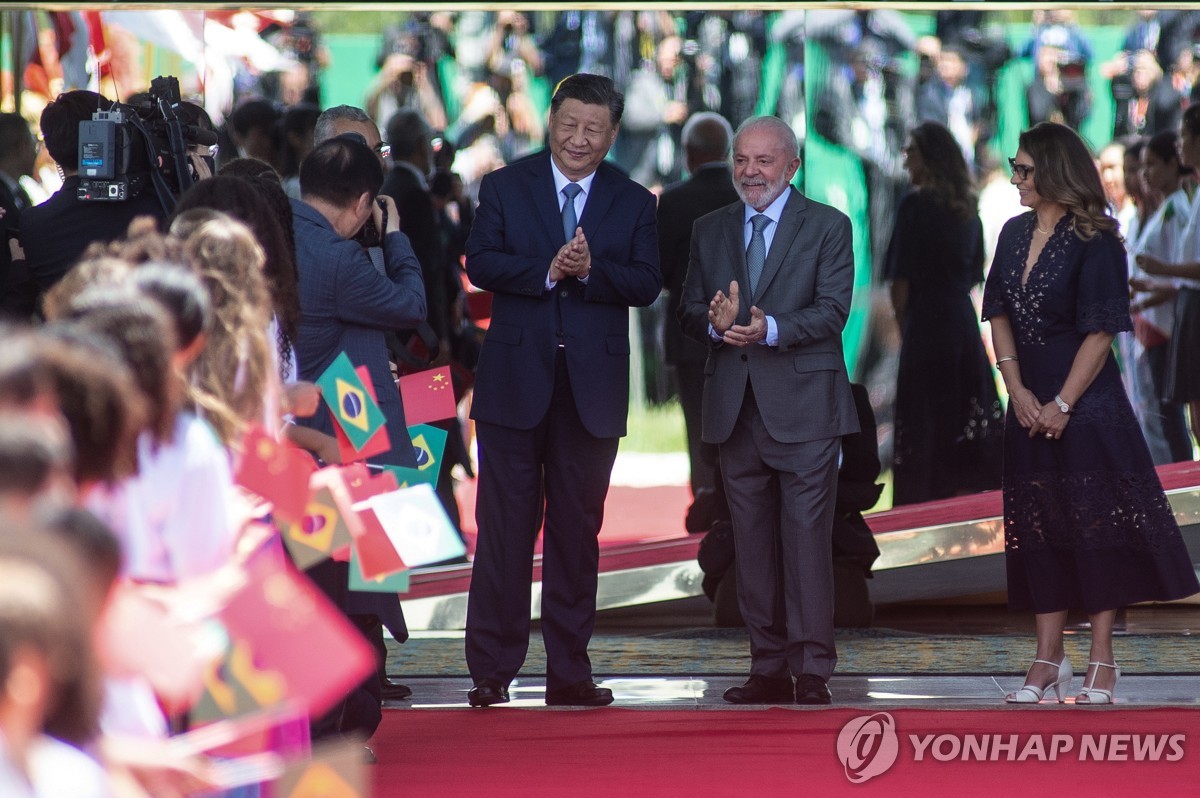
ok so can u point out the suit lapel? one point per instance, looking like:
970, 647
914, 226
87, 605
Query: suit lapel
599, 199
735, 246
790, 222
545, 200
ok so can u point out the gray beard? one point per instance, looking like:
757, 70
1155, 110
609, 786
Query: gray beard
771, 191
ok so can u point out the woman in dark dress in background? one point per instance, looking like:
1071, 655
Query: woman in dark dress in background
1086, 523
949, 422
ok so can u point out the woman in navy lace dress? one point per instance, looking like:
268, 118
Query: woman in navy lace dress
1087, 525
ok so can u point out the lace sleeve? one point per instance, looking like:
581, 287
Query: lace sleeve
993, 299
1103, 304
993, 287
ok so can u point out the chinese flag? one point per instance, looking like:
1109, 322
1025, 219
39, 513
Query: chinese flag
275, 470
290, 642
375, 553
234, 686
363, 484
427, 396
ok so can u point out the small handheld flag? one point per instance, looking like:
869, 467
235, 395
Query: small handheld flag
350, 402
427, 396
276, 471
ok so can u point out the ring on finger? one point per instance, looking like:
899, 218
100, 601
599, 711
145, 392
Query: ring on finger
1049, 435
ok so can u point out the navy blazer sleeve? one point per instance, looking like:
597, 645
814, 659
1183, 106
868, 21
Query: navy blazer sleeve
636, 280
492, 263
368, 298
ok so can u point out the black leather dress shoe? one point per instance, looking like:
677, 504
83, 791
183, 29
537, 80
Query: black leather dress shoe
812, 689
487, 693
761, 690
580, 694
394, 691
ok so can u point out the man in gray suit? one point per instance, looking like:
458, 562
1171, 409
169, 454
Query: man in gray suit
768, 290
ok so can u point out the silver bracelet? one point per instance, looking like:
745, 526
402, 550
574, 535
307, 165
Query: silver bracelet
1005, 358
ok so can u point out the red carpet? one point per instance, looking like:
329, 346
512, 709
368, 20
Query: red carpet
689, 753
630, 514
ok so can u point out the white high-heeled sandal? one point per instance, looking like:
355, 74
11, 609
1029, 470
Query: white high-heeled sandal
1094, 695
1032, 694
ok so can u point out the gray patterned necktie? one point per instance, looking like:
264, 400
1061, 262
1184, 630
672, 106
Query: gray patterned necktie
569, 220
756, 253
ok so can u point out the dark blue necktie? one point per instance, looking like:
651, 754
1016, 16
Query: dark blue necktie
569, 219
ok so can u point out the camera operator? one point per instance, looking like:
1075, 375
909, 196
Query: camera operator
949, 100
1145, 102
404, 82
55, 233
986, 52
425, 38
1059, 91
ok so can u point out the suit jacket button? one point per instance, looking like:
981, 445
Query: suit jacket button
564, 292
745, 357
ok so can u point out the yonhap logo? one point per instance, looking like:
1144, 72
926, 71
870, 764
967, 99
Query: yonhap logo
868, 746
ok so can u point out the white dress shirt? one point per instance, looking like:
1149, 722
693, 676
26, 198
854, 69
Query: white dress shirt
560, 182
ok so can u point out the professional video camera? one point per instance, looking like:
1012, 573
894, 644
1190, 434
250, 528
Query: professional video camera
1074, 101
134, 147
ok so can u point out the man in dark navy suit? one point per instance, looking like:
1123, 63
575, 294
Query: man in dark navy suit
567, 244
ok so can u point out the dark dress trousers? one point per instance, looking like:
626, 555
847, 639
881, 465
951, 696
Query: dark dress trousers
778, 414
678, 209
551, 400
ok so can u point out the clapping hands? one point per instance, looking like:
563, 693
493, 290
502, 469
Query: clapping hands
573, 260
723, 312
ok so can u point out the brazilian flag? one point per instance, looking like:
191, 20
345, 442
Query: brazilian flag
429, 444
234, 686
320, 534
397, 582
353, 408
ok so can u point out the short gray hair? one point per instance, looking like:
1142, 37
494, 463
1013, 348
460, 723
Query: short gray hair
327, 121
707, 133
787, 136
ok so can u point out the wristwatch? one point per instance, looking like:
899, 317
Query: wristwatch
1063, 406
